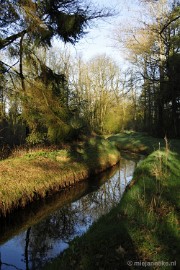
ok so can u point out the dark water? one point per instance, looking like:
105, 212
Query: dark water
30, 238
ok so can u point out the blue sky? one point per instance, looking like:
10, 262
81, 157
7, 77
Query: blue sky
99, 39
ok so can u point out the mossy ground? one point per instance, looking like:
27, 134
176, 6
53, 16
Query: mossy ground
144, 227
36, 174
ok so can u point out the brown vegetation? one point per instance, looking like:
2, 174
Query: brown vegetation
36, 175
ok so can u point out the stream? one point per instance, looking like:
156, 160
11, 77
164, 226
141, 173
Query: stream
37, 234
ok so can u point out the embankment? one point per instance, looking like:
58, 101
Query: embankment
143, 230
37, 174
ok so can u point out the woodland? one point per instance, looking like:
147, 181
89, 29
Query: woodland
64, 119
48, 96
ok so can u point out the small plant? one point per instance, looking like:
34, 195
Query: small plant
160, 171
35, 138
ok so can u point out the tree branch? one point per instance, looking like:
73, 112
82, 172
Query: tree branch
167, 24
5, 42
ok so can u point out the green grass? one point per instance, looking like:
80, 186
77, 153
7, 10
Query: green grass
144, 227
141, 142
36, 174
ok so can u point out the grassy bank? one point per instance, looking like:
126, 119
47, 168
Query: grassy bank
36, 174
142, 143
144, 227
19, 221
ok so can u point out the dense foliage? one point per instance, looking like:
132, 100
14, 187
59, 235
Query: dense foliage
154, 47
48, 96
34, 98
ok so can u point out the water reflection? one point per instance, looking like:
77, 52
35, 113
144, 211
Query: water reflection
48, 237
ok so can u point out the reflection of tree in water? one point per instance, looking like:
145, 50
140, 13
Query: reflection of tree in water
26, 252
43, 235
73, 219
8, 266
96, 204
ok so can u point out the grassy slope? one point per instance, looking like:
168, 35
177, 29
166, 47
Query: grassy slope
36, 174
142, 143
144, 226
21, 220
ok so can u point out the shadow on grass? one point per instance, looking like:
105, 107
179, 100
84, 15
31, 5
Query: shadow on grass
107, 245
144, 227
152, 212
155, 230
96, 154
137, 142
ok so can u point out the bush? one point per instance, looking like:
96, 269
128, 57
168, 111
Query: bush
35, 138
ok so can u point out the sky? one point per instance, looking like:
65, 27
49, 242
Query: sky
99, 39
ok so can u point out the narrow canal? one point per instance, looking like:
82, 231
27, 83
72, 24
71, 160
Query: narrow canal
33, 236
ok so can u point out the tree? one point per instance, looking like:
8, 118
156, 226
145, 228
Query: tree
99, 99
151, 46
45, 105
27, 25
38, 22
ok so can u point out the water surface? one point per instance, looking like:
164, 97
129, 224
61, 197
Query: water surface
32, 237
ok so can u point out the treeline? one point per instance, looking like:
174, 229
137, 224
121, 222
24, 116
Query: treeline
154, 50
68, 98
48, 96
34, 99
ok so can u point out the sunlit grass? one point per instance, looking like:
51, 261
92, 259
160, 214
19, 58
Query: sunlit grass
141, 143
145, 225
32, 174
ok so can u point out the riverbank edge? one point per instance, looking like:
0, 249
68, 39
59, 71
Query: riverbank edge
38, 174
144, 226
